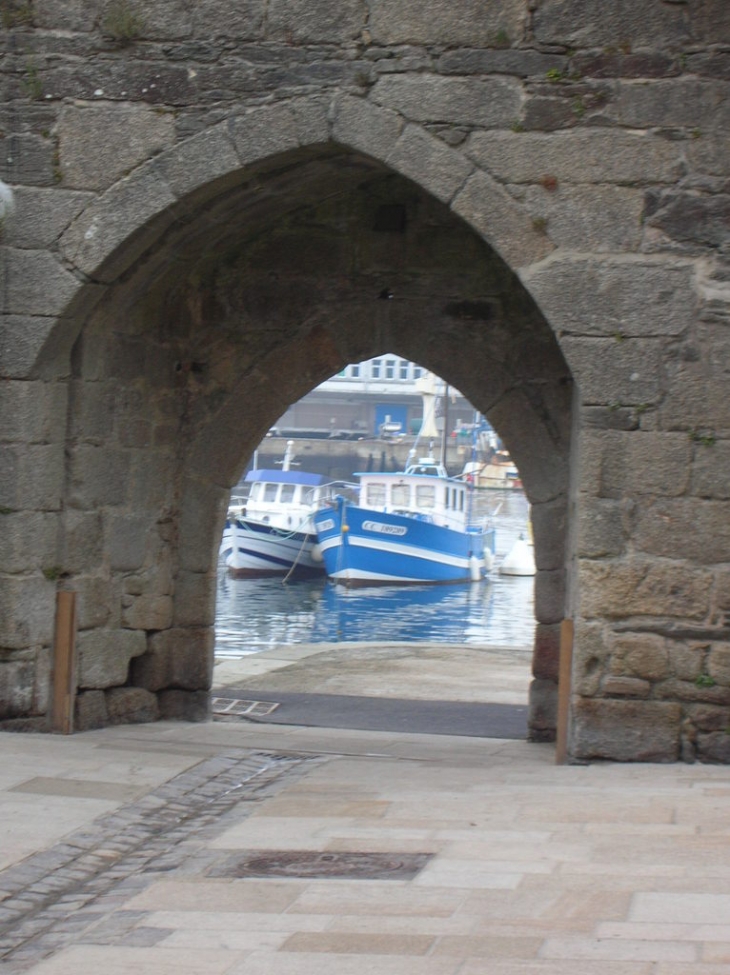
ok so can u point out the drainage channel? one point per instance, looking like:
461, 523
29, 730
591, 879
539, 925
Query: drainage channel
48, 900
235, 707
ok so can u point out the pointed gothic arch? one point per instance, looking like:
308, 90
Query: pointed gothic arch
223, 280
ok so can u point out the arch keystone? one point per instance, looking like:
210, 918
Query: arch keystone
266, 131
311, 118
428, 161
361, 125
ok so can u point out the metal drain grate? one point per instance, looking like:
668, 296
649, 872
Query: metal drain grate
234, 706
313, 864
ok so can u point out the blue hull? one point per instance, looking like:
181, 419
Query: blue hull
364, 547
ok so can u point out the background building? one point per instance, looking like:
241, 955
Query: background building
376, 398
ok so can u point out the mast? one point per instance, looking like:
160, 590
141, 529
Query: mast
445, 431
288, 456
471, 480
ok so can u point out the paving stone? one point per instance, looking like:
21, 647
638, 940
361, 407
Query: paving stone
51, 907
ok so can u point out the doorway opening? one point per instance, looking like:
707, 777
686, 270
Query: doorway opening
277, 279
288, 633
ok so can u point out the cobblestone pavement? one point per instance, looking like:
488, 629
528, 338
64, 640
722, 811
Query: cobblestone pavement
231, 848
67, 892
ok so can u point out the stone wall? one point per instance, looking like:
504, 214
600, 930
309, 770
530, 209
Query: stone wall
197, 241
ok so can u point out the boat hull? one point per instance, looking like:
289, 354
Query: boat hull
519, 561
254, 550
364, 547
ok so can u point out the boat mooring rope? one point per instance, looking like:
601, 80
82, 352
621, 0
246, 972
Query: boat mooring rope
296, 560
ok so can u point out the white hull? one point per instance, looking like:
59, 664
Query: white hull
252, 549
272, 534
519, 561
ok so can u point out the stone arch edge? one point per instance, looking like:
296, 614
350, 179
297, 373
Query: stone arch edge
118, 227
115, 228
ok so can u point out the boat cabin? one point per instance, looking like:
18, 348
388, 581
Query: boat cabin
284, 498
427, 466
418, 492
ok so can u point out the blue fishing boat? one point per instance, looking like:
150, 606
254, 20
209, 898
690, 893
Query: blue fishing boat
411, 526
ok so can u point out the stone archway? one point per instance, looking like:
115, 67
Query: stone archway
240, 311
597, 173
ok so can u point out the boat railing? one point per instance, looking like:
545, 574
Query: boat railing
326, 493
237, 505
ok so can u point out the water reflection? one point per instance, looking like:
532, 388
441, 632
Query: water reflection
253, 614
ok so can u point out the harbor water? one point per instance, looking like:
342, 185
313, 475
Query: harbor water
257, 614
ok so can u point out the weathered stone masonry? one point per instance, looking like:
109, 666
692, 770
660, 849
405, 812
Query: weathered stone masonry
209, 199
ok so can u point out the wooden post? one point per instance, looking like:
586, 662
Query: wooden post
64, 664
564, 674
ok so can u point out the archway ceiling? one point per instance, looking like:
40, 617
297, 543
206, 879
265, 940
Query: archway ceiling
201, 230
283, 261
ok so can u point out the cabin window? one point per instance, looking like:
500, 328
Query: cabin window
255, 492
287, 493
375, 494
400, 495
425, 495
461, 500
270, 492
390, 368
375, 368
404, 369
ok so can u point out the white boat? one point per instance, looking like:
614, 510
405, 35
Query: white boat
271, 532
405, 527
520, 560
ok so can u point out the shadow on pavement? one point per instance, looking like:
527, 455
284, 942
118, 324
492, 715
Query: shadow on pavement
475, 720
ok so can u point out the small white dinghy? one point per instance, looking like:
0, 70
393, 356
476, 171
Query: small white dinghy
520, 560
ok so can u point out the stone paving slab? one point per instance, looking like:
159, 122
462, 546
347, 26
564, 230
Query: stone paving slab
535, 869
